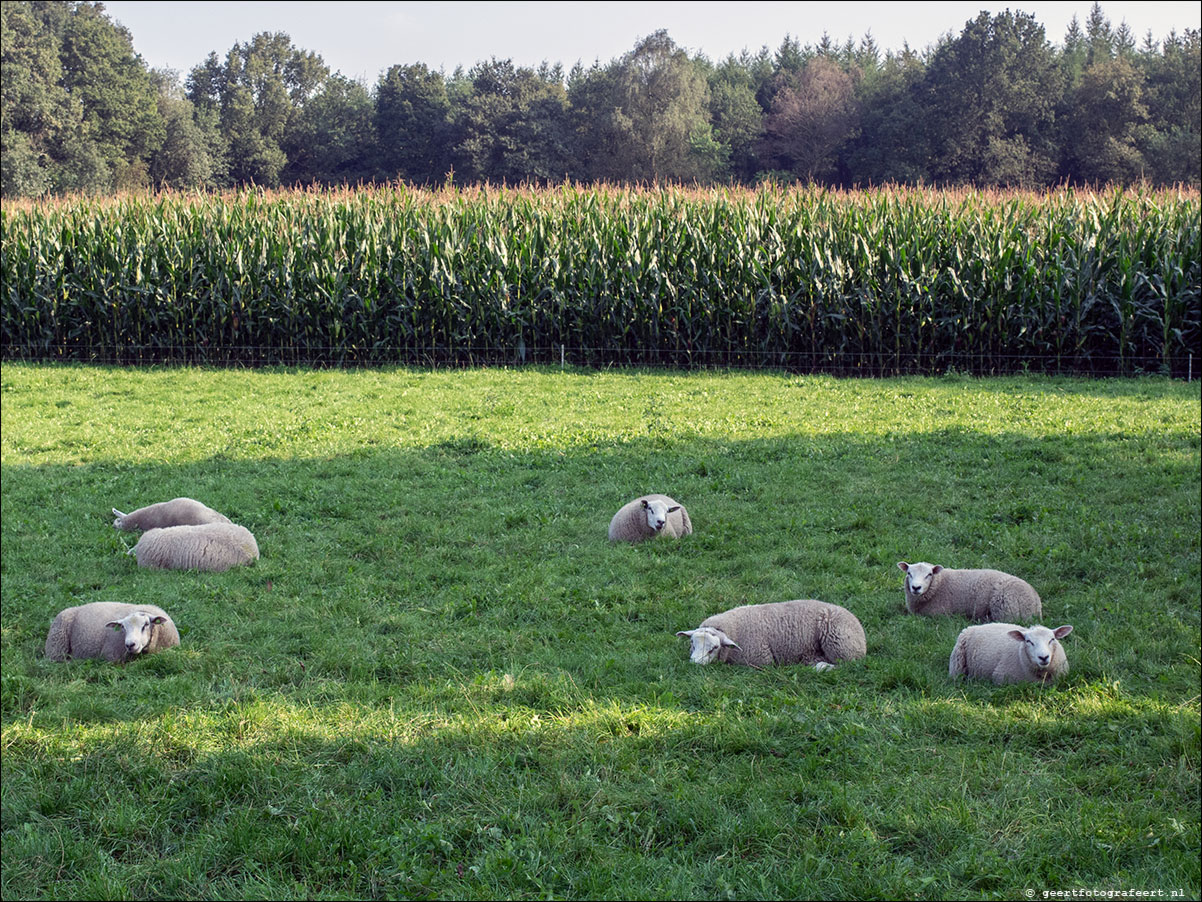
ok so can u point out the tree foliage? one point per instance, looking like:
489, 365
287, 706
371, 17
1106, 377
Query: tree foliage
647, 116
996, 104
513, 125
813, 112
80, 110
992, 96
412, 118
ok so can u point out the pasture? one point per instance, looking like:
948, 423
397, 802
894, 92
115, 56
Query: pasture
441, 681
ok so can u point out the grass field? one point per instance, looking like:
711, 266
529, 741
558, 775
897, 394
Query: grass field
440, 680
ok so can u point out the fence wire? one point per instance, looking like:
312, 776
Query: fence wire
865, 363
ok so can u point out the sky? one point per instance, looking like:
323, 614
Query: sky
363, 39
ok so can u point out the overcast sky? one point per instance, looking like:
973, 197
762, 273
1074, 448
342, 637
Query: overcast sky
362, 40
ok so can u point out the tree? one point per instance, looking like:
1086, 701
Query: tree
993, 93
79, 110
512, 125
1099, 36
121, 117
645, 117
332, 139
34, 106
412, 120
1100, 134
1173, 97
893, 142
1074, 55
259, 90
185, 158
736, 116
811, 116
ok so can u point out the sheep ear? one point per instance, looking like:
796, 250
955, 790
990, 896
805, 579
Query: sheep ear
1017, 635
902, 565
676, 508
1061, 631
158, 619
644, 504
724, 639
113, 625
936, 569
688, 634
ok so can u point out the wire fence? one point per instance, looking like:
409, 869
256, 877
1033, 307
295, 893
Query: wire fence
864, 363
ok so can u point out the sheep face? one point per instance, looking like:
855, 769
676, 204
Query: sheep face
1039, 643
918, 576
705, 643
657, 513
138, 628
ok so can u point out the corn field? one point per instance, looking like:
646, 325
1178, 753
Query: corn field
883, 281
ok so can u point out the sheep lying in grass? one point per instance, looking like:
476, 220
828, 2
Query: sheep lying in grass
983, 595
211, 546
110, 630
177, 512
786, 632
648, 517
1007, 653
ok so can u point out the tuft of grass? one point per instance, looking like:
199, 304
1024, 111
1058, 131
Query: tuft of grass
441, 681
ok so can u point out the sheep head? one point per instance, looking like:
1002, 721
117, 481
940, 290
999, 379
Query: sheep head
1039, 644
657, 513
138, 630
920, 576
705, 643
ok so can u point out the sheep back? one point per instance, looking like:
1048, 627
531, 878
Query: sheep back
211, 546
790, 632
629, 524
176, 512
80, 632
982, 595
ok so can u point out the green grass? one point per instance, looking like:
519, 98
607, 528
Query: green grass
440, 680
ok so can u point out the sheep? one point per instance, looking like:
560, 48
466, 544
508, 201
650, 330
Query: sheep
210, 546
648, 517
111, 630
177, 512
1008, 653
786, 632
981, 595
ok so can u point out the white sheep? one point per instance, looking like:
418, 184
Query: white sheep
110, 630
210, 546
1008, 653
648, 517
177, 512
786, 632
983, 595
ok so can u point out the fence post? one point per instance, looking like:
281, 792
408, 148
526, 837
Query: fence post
561, 355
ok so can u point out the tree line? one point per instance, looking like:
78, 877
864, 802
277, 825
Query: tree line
996, 105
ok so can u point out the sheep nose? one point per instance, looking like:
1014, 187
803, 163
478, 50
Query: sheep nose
1043, 660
